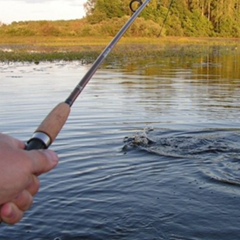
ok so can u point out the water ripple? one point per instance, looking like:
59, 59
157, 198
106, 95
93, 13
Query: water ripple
216, 150
150, 156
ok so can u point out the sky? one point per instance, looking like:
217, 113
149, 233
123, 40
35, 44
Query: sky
24, 10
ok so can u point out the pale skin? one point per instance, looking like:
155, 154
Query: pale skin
19, 172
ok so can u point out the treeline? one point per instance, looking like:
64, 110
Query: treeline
190, 18
217, 18
45, 28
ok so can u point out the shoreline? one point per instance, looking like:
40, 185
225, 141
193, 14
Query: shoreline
36, 49
99, 41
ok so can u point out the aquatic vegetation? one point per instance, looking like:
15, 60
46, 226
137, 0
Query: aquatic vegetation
32, 49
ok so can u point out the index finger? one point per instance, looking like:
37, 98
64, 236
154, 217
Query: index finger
42, 161
12, 141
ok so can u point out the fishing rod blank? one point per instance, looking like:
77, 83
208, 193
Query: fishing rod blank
48, 130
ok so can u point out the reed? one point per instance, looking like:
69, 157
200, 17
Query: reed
85, 49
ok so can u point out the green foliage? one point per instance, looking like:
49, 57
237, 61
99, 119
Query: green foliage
187, 17
191, 18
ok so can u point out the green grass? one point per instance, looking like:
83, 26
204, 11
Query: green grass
86, 49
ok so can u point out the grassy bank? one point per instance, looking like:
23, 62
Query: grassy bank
86, 49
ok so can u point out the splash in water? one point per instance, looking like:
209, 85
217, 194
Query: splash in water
218, 150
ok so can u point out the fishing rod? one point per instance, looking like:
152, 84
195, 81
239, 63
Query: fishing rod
48, 130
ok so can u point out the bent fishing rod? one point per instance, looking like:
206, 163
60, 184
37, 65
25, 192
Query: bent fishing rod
48, 130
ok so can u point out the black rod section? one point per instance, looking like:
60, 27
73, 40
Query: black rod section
78, 89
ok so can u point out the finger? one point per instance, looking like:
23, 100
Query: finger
10, 213
23, 201
12, 141
34, 186
42, 161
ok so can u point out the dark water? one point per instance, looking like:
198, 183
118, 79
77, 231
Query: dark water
151, 149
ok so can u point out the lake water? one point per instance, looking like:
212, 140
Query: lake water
151, 149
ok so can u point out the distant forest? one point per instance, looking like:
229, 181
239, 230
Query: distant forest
189, 18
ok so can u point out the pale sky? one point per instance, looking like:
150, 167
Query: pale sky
23, 10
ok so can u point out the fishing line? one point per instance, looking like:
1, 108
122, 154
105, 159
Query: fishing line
48, 130
166, 17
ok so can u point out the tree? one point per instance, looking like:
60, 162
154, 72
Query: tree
186, 17
90, 6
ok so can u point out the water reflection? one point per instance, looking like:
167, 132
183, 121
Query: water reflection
184, 185
214, 63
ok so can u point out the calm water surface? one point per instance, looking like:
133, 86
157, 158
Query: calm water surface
151, 149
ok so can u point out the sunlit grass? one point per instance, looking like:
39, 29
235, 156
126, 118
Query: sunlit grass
86, 49
100, 41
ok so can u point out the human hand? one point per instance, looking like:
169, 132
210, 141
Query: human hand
19, 171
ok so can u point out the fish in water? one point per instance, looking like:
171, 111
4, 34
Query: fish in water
139, 140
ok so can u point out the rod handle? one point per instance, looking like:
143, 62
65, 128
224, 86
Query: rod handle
48, 130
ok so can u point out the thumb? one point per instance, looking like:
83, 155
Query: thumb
42, 161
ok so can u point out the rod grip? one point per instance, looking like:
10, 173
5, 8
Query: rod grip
48, 130
35, 143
